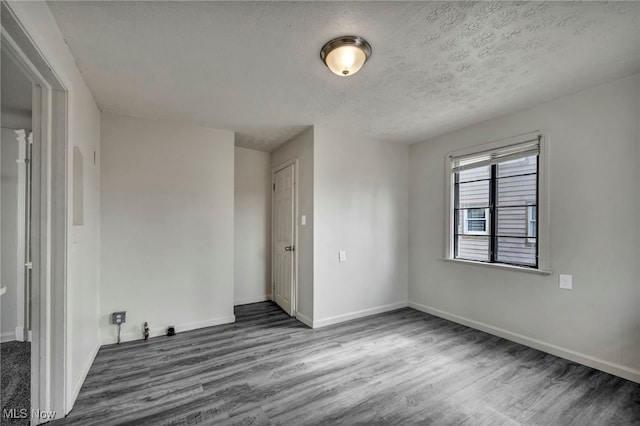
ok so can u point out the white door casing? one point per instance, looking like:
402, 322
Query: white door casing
284, 238
48, 225
23, 273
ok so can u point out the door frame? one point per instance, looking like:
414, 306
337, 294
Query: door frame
49, 217
294, 286
22, 326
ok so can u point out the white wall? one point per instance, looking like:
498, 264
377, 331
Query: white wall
9, 221
82, 245
83, 253
360, 206
167, 226
301, 147
252, 226
594, 208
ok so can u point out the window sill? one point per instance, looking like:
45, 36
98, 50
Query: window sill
500, 266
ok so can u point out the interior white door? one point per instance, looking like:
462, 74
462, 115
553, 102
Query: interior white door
283, 239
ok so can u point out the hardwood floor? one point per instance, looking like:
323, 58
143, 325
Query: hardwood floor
401, 367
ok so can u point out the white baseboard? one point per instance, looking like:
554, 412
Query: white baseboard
304, 319
358, 314
7, 336
162, 331
20, 334
589, 361
83, 375
255, 299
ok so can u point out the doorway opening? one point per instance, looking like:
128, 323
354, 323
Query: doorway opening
40, 273
15, 212
284, 256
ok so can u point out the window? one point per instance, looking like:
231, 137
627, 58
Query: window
475, 221
495, 194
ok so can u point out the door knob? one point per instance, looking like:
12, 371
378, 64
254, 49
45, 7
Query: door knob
290, 248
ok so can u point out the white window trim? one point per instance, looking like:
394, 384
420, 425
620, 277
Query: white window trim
544, 266
503, 266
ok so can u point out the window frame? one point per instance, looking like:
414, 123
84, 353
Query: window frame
542, 208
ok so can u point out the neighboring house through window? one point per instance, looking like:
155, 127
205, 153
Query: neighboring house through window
495, 194
532, 223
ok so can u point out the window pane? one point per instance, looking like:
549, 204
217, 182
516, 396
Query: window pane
476, 225
518, 251
520, 166
476, 213
473, 194
473, 247
516, 191
512, 221
475, 174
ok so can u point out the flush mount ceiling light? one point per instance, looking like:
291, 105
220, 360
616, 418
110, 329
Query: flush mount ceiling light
345, 55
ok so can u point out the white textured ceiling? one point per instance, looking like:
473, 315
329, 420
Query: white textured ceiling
254, 67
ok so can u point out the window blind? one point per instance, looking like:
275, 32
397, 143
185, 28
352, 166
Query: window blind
499, 155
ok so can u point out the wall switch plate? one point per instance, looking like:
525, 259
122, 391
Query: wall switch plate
342, 256
303, 219
566, 282
119, 317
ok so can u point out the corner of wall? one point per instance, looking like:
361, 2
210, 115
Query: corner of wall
79, 381
302, 148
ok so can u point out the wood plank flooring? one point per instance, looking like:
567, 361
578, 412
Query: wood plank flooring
396, 368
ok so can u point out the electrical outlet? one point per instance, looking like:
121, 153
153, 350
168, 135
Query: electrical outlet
342, 256
119, 317
566, 282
